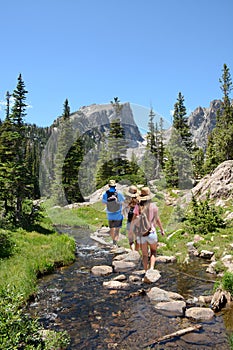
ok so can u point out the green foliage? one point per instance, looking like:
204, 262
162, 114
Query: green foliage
227, 282
231, 341
19, 331
203, 217
6, 244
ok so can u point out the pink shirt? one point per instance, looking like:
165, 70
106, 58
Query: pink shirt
153, 214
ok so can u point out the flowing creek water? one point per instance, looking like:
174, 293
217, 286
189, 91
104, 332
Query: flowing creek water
74, 300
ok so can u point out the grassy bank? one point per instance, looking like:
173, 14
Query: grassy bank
32, 254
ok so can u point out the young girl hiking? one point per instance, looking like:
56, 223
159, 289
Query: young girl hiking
144, 222
131, 195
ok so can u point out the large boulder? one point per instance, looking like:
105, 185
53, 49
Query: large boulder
218, 185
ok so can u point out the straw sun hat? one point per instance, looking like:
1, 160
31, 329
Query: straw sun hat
145, 194
112, 183
132, 191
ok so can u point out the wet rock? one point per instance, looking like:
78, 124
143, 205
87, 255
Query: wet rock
205, 299
206, 254
175, 296
101, 270
152, 276
192, 301
119, 250
123, 266
220, 299
132, 256
135, 279
211, 268
198, 339
116, 285
191, 249
199, 313
120, 278
160, 295
165, 259
98, 239
227, 261
171, 308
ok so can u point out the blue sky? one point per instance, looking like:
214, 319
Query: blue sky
89, 51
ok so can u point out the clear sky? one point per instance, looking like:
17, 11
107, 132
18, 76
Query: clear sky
143, 51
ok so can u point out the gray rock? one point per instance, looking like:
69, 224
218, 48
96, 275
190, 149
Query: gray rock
123, 266
206, 254
199, 313
160, 295
101, 270
171, 308
152, 276
116, 285
165, 259
132, 256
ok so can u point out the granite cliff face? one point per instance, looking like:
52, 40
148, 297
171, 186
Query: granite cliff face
100, 117
202, 121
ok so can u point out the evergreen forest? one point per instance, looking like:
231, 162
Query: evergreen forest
81, 162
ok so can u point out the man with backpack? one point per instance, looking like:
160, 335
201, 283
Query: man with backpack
113, 200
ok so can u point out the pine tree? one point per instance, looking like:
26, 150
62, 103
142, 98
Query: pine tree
22, 186
8, 96
153, 157
113, 160
220, 141
15, 179
179, 148
170, 171
150, 137
64, 142
198, 162
180, 122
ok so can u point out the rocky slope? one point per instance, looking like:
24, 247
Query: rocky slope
219, 185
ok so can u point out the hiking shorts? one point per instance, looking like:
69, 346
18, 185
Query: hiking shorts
115, 223
151, 238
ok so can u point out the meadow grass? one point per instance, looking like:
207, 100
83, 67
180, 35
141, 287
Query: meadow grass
34, 255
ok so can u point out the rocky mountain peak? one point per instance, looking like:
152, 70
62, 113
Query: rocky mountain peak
202, 121
101, 115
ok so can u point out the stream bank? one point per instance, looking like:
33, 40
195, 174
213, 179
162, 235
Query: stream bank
73, 299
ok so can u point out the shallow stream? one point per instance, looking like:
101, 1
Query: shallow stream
74, 300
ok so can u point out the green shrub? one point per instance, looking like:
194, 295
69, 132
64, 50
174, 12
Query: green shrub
6, 244
227, 282
203, 217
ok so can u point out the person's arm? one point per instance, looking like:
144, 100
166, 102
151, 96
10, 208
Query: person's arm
135, 214
104, 198
158, 222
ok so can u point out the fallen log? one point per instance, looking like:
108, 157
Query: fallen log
175, 334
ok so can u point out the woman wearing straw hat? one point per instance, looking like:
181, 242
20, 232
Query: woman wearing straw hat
150, 238
131, 195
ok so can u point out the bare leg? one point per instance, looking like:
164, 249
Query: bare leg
116, 234
144, 248
153, 248
131, 240
112, 233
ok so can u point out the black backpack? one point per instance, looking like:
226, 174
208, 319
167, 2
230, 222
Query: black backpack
112, 201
